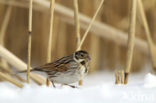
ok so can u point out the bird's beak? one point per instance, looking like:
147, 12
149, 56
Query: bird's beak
89, 58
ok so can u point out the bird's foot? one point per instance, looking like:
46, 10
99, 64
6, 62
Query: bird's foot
72, 86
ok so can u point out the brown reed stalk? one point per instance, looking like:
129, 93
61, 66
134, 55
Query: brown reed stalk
131, 37
152, 47
51, 30
29, 58
77, 23
29, 39
19, 64
122, 76
98, 28
90, 24
8, 78
52, 3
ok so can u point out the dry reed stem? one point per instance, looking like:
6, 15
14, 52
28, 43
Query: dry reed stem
122, 76
29, 39
4, 65
29, 58
50, 34
77, 26
30, 16
10, 79
51, 30
151, 45
90, 24
131, 38
20, 65
101, 29
77, 23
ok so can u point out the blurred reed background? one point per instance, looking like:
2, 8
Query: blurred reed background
105, 54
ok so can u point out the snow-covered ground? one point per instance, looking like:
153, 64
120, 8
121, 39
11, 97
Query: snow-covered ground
97, 88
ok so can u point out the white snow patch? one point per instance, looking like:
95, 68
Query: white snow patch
97, 88
150, 80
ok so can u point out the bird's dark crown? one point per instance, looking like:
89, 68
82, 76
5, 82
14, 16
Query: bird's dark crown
82, 55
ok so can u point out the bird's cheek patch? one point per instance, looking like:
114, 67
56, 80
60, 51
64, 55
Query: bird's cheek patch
83, 62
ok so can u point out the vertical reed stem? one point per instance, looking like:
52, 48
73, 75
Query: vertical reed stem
29, 39
51, 30
50, 34
131, 37
77, 23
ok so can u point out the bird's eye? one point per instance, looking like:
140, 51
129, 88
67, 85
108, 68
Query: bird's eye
82, 55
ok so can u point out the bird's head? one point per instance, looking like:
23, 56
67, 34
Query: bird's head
82, 56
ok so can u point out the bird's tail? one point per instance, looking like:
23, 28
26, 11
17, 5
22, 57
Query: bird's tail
24, 71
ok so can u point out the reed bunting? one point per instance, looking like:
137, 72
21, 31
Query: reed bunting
68, 69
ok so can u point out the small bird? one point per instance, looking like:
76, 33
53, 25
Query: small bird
66, 70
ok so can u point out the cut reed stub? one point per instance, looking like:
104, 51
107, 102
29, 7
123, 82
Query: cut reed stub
117, 77
122, 76
126, 78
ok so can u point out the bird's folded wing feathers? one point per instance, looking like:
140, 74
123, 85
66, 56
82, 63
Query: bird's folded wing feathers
53, 67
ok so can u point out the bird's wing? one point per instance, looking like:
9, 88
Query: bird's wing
59, 65
52, 67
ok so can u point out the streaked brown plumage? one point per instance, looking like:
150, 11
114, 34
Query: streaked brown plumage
68, 69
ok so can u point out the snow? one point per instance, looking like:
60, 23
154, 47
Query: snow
150, 81
97, 88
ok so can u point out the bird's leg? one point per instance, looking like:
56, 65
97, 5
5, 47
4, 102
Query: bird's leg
53, 84
72, 86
